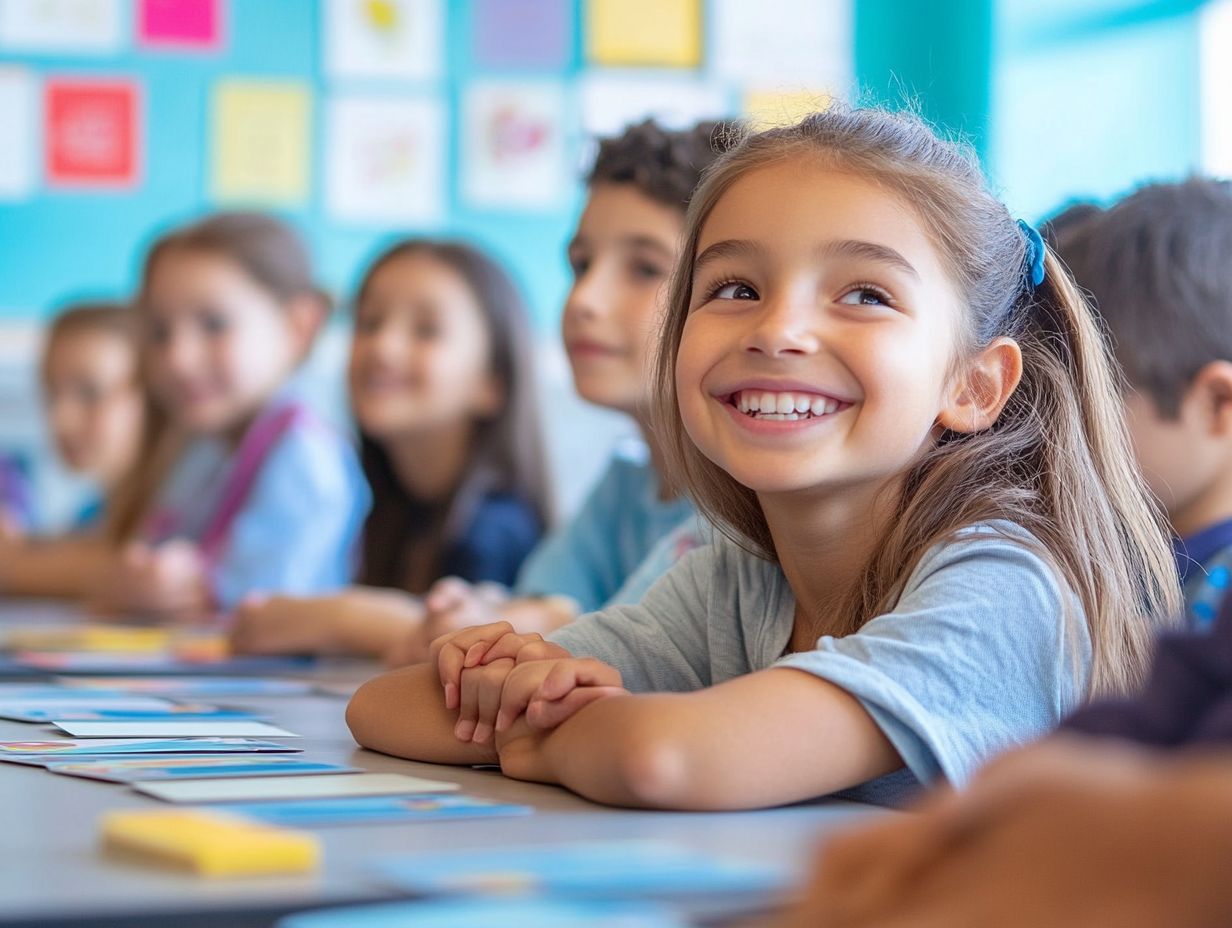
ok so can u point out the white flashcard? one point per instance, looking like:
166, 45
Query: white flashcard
324, 786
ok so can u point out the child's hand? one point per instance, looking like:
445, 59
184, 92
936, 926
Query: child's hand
550, 691
283, 625
1063, 834
468, 648
453, 604
170, 581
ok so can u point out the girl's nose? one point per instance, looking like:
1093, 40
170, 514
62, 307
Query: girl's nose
586, 298
180, 352
784, 327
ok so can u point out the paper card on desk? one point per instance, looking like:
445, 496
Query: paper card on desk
11, 693
171, 728
321, 787
193, 687
105, 713
507, 913
130, 663
46, 760
367, 810
51, 710
611, 868
119, 638
126, 770
95, 746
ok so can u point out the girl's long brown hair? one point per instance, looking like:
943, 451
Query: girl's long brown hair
507, 451
1057, 462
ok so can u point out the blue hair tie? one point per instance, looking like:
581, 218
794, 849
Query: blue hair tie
1035, 252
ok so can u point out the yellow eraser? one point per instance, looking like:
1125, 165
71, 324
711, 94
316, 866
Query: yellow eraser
211, 843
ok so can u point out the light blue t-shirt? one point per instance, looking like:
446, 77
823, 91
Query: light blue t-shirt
983, 650
299, 522
594, 555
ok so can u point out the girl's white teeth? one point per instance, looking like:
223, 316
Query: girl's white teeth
786, 406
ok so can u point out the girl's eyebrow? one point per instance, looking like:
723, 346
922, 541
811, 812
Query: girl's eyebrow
646, 241
728, 248
870, 251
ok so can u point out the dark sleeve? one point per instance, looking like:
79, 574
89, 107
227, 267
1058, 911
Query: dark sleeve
502, 532
1187, 700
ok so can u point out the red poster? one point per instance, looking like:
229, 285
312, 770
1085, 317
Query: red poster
93, 130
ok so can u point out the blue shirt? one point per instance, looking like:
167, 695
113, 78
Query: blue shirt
297, 527
502, 532
1204, 561
621, 521
984, 649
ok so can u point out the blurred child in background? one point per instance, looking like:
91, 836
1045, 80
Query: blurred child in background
441, 387
95, 415
243, 487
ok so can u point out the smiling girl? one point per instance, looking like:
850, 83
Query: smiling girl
253, 490
899, 411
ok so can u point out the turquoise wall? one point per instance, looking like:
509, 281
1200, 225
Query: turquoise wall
62, 245
1063, 99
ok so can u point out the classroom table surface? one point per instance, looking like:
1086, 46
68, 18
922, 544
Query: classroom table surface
53, 872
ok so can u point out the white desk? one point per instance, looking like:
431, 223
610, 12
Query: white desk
52, 872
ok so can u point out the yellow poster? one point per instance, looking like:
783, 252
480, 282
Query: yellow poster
644, 32
766, 109
261, 142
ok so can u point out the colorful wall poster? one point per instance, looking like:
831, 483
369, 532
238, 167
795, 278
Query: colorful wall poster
665, 33
180, 24
65, 26
513, 153
611, 101
522, 33
261, 141
770, 43
19, 115
385, 159
400, 39
765, 109
92, 132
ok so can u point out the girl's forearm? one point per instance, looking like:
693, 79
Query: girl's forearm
403, 713
63, 567
769, 738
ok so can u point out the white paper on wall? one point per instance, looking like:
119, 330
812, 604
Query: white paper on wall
752, 43
69, 26
20, 117
385, 159
610, 101
393, 39
513, 145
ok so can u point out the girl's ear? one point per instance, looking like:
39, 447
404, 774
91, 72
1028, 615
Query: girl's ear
305, 314
1213, 386
980, 391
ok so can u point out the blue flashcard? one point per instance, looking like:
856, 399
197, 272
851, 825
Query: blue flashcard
366, 810
96, 746
196, 712
191, 687
130, 770
124, 664
611, 868
489, 913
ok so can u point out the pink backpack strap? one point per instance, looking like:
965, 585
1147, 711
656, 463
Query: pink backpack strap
250, 456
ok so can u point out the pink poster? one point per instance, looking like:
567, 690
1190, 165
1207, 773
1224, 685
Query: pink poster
92, 132
185, 24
